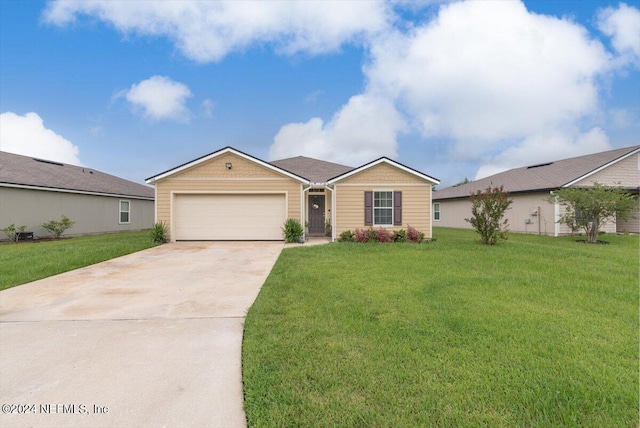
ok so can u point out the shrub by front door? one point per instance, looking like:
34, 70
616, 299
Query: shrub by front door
316, 214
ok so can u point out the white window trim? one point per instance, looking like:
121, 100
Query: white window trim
120, 211
373, 214
439, 211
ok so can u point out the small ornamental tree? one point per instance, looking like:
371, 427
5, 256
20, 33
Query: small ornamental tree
487, 211
13, 232
590, 208
57, 228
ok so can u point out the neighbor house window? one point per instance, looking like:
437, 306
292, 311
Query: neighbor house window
436, 211
383, 208
125, 211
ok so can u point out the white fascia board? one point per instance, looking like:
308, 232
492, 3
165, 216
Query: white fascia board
389, 162
631, 153
80, 192
219, 153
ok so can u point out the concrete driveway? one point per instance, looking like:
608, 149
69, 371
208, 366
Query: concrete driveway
152, 339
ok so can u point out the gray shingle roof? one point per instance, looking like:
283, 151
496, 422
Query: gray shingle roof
547, 176
29, 171
314, 170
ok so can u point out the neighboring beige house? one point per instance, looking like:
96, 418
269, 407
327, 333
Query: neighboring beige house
34, 191
230, 195
530, 186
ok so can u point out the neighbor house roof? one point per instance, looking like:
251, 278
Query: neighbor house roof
539, 177
33, 173
314, 170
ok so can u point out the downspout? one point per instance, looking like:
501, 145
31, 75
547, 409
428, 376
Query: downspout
172, 216
303, 212
556, 217
155, 203
334, 225
333, 210
431, 212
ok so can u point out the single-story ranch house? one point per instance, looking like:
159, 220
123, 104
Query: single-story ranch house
34, 191
230, 195
530, 186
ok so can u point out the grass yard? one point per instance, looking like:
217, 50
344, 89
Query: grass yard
536, 332
25, 262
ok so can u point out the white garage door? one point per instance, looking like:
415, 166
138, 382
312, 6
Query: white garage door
229, 217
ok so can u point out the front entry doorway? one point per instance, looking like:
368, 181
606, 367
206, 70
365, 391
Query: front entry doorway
316, 214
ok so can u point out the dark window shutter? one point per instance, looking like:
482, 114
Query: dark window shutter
368, 208
397, 208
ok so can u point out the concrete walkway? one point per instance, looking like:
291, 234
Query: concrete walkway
152, 339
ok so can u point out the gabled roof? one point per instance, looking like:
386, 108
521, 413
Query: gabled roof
220, 152
540, 177
316, 171
379, 161
33, 173
301, 168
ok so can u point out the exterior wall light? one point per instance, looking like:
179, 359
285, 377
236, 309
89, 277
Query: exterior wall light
228, 165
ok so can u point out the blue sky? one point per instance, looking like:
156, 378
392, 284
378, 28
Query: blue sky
454, 89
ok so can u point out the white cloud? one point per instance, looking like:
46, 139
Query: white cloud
207, 106
545, 148
209, 30
622, 24
160, 98
488, 77
26, 135
365, 128
482, 72
485, 76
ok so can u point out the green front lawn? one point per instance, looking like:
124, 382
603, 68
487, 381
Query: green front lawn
28, 261
537, 331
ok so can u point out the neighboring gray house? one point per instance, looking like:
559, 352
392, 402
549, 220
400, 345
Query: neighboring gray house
34, 191
530, 186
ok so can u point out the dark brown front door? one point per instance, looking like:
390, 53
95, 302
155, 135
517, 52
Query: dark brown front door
316, 214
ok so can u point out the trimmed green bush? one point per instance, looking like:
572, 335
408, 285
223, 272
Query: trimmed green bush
346, 236
292, 230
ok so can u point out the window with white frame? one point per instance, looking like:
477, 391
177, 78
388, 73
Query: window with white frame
383, 208
436, 211
125, 212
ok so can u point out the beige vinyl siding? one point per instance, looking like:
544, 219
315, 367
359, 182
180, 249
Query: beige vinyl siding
625, 173
382, 173
632, 224
241, 168
416, 198
454, 211
416, 206
214, 177
608, 227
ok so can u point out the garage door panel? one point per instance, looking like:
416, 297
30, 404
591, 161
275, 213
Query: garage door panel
229, 216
